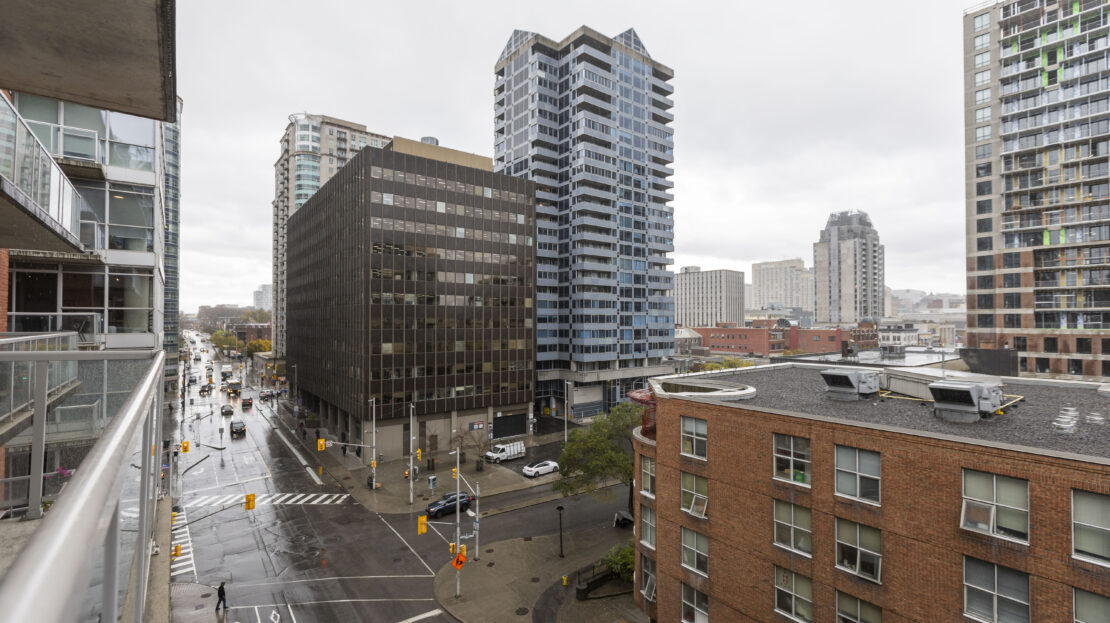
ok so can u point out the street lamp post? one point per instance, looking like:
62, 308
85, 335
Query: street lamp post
296, 402
560, 509
566, 408
412, 436
374, 440
458, 533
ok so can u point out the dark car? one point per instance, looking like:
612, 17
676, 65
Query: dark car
227, 410
238, 429
446, 504
246, 403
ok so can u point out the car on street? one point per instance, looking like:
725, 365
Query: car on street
539, 468
446, 504
246, 403
204, 390
238, 429
223, 387
227, 410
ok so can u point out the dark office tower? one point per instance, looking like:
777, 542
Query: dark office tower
588, 119
411, 280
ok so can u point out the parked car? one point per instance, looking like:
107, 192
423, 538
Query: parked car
446, 504
204, 390
238, 428
227, 410
223, 387
505, 451
246, 403
540, 468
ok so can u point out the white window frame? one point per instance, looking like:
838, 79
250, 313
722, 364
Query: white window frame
982, 133
700, 616
990, 507
982, 96
858, 616
698, 501
792, 526
647, 476
861, 551
982, 41
1101, 603
981, 22
783, 573
645, 511
993, 592
982, 77
694, 437
982, 115
695, 553
807, 462
859, 476
982, 59
1081, 556
647, 579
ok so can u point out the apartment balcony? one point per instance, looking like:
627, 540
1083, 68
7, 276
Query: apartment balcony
594, 236
581, 219
607, 282
88, 328
73, 535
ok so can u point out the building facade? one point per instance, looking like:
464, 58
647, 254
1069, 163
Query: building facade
768, 501
774, 338
1038, 185
704, 298
784, 283
171, 341
313, 148
264, 297
588, 120
412, 282
849, 270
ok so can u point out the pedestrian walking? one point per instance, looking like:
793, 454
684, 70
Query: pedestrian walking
317, 433
221, 595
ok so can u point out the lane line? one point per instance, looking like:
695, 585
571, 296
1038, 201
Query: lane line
291, 448
334, 601
291, 616
436, 530
421, 617
430, 572
335, 579
312, 473
230, 484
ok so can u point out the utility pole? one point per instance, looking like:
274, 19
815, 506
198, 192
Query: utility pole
412, 436
477, 517
458, 534
374, 440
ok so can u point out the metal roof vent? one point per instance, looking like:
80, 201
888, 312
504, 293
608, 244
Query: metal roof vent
1067, 421
964, 402
850, 384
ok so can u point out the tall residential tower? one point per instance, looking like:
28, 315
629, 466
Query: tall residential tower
849, 266
588, 119
704, 298
1037, 140
786, 282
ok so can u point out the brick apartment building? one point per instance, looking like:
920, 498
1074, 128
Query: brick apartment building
770, 338
760, 498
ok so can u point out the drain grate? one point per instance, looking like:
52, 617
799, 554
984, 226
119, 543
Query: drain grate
535, 580
521, 611
489, 564
527, 538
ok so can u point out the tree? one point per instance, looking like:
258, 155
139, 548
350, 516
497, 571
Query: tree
601, 453
260, 316
621, 560
226, 341
258, 346
476, 439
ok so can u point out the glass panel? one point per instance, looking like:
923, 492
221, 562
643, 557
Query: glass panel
978, 573
871, 539
1012, 612
977, 516
1013, 584
1091, 608
802, 517
846, 458
978, 485
36, 108
80, 116
129, 291
869, 488
83, 290
1012, 492
979, 603
1092, 509
131, 129
782, 511
131, 209
1011, 522
845, 531
869, 463
130, 238
846, 483
131, 157
1092, 542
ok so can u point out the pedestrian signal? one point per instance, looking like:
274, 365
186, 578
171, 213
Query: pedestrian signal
250, 501
422, 524
320, 445
374, 464
184, 446
451, 547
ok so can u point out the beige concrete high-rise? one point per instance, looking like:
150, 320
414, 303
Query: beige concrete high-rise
313, 148
785, 282
849, 270
705, 297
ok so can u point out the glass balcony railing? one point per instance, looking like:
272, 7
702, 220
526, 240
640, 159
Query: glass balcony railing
17, 378
89, 326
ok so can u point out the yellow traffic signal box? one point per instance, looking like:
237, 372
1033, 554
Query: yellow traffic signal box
422, 524
418, 454
462, 550
250, 502
452, 547
184, 446
455, 473
320, 445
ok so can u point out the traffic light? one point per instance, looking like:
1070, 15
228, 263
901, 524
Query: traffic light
373, 464
455, 473
422, 524
452, 546
418, 454
176, 551
320, 444
173, 518
462, 550
184, 446
250, 502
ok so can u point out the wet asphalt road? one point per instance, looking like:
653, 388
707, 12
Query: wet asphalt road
308, 552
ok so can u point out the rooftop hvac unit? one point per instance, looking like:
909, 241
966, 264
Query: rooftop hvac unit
964, 401
850, 384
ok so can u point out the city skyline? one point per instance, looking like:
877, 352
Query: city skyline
856, 151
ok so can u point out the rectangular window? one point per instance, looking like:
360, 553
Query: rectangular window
695, 551
695, 494
984, 301
1051, 345
982, 59
792, 459
985, 243
984, 282
647, 475
1091, 608
983, 206
853, 610
857, 473
982, 133
1011, 280
982, 115
981, 22
983, 170
982, 77
1011, 321
1090, 516
693, 437
859, 549
695, 605
995, 505
1011, 260
387, 199
982, 41
994, 593
984, 225
982, 151
984, 262
794, 527
647, 526
983, 188
1083, 345
1021, 344
982, 96
793, 594
647, 578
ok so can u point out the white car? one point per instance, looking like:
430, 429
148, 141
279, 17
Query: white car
538, 469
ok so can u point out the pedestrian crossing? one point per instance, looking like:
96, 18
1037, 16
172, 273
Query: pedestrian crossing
275, 499
182, 567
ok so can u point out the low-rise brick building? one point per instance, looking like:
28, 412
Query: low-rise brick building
770, 338
761, 498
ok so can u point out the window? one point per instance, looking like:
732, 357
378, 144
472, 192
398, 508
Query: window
647, 578
994, 593
982, 41
1011, 321
852, 610
982, 59
984, 282
647, 525
981, 22
794, 527
793, 594
695, 494
985, 243
984, 262
1011, 260
995, 505
983, 188
859, 549
857, 473
647, 475
982, 115
1021, 344
387, 199
695, 605
1083, 345
983, 206
982, 133
982, 97
1091, 608
984, 225
982, 77
792, 459
1011, 280
1051, 345
1090, 516
983, 170
982, 151
695, 551
693, 437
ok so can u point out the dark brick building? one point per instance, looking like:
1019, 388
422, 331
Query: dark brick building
411, 281
762, 499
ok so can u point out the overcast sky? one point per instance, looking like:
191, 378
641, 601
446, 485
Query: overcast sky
784, 112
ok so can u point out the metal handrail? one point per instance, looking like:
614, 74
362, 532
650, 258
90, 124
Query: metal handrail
50, 573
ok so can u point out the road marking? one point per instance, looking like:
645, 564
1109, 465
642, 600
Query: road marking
291, 448
291, 613
430, 572
179, 535
275, 499
469, 512
312, 473
436, 530
229, 484
421, 617
298, 498
334, 601
336, 579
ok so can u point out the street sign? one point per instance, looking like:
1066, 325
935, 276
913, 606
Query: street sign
329, 443
459, 561
475, 524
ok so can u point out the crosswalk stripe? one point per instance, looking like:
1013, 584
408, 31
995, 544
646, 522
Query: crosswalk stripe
266, 498
298, 498
262, 499
318, 499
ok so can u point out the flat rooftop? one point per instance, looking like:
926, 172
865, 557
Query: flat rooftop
915, 356
799, 389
